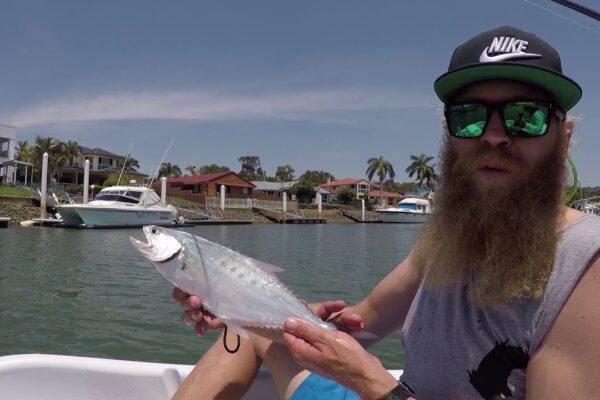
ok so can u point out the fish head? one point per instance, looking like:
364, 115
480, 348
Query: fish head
161, 245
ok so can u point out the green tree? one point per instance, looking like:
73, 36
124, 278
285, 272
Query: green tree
212, 168
425, 173
169, 170
316, 178
113, 179
130, 163
396, 187
304, 191
382, 168
345, 195
192, 169
285, 173
45, 145
65, 154
24, 151
251, 169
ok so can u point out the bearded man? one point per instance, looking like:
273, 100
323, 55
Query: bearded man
498, 297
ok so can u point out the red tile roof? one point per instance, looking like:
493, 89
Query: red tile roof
377, 193
345, 181
211, 178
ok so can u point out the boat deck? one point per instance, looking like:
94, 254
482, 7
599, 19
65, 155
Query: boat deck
53, 377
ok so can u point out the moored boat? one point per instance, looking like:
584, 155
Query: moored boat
119, 206
408, 210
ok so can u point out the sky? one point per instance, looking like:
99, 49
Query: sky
316, 84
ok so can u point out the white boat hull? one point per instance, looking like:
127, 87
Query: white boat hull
402, 217
74, 215
52, 377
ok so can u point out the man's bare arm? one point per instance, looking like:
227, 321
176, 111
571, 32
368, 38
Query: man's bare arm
384, 310
567, 364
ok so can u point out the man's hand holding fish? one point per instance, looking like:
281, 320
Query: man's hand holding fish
203, 320
338, 356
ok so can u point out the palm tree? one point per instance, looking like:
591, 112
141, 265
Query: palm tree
130, 163
424, 172
45, 145
65, 153
382, 168
24, 151
192, 169
169, 170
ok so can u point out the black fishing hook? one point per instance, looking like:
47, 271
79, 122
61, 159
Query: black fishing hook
225, 343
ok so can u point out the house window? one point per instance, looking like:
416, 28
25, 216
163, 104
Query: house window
4, 148
244, 190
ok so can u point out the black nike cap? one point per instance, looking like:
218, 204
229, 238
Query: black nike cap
508, 53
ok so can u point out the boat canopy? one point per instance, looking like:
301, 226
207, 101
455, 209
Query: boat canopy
135, 195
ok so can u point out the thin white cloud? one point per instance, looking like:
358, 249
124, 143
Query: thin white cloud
208, 106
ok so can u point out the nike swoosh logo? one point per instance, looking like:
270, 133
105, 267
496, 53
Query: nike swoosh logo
503, 57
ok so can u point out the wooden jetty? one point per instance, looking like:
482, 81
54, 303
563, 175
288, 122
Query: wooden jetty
46, 221
288, 217
218, 221
357, 216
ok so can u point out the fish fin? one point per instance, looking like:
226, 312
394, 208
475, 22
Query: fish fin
235, 327
267, 267
364, 335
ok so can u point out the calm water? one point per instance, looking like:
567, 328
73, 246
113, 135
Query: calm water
87, 292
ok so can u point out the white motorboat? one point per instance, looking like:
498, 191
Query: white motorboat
409, 210
119, 206
53, 377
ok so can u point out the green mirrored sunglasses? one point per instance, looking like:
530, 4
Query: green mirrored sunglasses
521, 118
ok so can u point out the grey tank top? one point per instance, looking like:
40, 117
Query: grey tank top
455, 350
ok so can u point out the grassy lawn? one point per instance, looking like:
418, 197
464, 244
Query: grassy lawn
12, 191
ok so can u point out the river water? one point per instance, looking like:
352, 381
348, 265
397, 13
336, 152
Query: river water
89, 293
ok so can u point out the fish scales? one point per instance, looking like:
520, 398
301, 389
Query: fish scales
241, 291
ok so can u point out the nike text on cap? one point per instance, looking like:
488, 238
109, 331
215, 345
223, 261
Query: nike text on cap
508, 53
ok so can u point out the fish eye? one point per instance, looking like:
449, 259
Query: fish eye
154, 231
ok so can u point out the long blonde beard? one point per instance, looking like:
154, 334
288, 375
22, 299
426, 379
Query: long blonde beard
499, 241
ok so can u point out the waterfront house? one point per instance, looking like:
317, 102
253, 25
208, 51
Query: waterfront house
103, 163
360, 187
200, 187
8, 142
272, 190
325, 195
389, 198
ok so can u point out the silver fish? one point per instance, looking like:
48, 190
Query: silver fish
242, 292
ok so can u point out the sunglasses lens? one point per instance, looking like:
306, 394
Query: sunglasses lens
466, 120
526, 118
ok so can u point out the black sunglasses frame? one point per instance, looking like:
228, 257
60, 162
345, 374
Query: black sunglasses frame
498, 107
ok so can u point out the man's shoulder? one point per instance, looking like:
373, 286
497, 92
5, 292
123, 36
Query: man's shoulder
571, 216
570, 351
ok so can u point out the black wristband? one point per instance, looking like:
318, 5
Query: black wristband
400, 392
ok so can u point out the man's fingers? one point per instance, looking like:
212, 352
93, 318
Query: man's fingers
352, 321
201, 327
186, 318
303, 330
178, 295
334, 306
186, 301
191, 303
300, 350
324, 310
